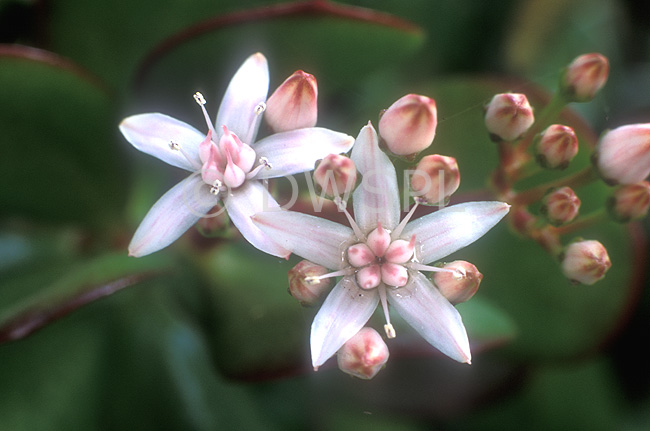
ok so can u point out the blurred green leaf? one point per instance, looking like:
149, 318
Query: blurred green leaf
577, 396
44, 284
485, 323
340, 51
60, 161
259, 329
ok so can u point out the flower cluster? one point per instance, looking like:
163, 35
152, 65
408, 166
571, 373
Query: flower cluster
379, 260
621, 158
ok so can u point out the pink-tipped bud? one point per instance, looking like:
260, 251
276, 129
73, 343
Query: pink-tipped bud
364, 354
304, 284
435, 179
336, 175
630, 202
623, 154
560, 206
293, 105
369, 277
400, 251
360, 255
508, 116
379, 240
585, 262
460, 285
394, 275
408, 126
584, 77
556, 147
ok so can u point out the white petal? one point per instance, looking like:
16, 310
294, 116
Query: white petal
154, 133
377, 198
298, 150
313, 238
423, 307
344, 312
242, 203
247, 89
443, 232
174, 213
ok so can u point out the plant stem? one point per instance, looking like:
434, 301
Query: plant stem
580, 178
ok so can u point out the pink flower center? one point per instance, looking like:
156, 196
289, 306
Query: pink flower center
226, 161
380, 259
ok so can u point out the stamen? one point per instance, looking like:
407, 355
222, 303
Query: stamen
260, 108
198, 97
400, 227
388, 327
175, 146
216, 187
341, 205
420, 267
264, 163
313, 279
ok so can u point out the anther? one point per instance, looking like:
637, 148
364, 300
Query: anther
215, 190
174, 146
341, 205
263, 164
260, 108
390, 331
199, 98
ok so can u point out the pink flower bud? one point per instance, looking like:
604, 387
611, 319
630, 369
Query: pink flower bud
557, 146
560, 206
508, 116
364, 354
435, 178
460, 285
293, 105
630, 202
585, 76
305, 284
336, 175
409, 125
585, 262
623, 154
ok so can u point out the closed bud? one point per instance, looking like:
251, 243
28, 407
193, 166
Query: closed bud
409, 125
435, 178
556, 147
364, 354
460, 285
585, 262
623, 154
508, 116
630, 202
336, 175
305, 284
584, 77
293, 105
560, 206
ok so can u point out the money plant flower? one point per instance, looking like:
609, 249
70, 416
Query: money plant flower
226, 164
380, 259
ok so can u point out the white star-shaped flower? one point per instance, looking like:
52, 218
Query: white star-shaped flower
380, 258
227, 164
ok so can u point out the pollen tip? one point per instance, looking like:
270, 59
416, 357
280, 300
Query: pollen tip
390, 331
198, 97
